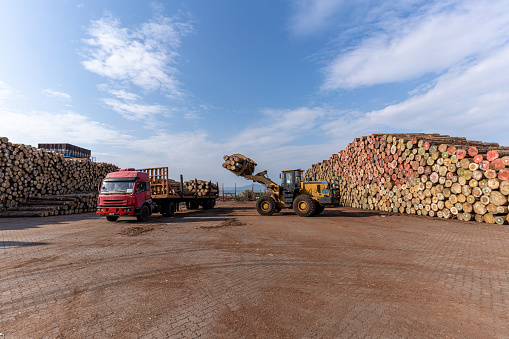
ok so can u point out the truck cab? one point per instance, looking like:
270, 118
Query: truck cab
125, 193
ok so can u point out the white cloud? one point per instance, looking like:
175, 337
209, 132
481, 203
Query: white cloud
407, 48
5, 91
279, 127
132, 110
144, 57
66, 127
124, 95
312, 16
470, 102
64, 97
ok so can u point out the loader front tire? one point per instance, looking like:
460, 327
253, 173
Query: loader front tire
266, 205
304, 206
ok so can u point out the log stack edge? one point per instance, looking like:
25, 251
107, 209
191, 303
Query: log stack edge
28, 173
424, 174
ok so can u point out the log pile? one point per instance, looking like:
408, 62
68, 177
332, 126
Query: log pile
53, 205
239, 164
27, 172
201, 188
423, 174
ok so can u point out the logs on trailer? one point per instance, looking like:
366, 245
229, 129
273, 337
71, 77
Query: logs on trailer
423, 174
201, 188
27, 173
239, 165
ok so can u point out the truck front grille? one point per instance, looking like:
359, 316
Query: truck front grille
114, 202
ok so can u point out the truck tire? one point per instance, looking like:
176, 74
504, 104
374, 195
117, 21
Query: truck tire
304, 206
266, 205
112, 218
144, 213
169, 210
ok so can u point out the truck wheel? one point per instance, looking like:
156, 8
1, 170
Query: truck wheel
266, 205
169, 210
112, 218
144, 213
304, 206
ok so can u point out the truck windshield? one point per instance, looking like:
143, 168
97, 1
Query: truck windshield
117, 187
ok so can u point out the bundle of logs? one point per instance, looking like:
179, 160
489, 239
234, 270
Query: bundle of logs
53, 205
201, 187
27, 173
424, 174
238, 164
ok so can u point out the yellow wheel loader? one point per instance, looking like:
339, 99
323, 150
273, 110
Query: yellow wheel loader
307, 198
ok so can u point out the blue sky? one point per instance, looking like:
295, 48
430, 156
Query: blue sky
287, 83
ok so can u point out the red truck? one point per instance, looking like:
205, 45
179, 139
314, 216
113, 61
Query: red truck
131, 192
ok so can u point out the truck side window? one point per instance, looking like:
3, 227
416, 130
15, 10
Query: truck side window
141, 187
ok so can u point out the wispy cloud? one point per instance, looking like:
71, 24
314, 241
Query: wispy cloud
311, 16
5, 91
278, 128
133, 110
40, 127
64, 97
432, 40
470, 102
144, 56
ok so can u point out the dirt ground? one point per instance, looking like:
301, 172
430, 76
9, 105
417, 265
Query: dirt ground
230, 273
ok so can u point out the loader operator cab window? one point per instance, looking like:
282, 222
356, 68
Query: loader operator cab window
286, 179
290, 178
298, 178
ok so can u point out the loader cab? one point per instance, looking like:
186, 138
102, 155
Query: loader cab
291, 179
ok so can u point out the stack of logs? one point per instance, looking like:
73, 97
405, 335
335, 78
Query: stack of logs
201, 188
424, 174
27, 172
238, 164
53, 205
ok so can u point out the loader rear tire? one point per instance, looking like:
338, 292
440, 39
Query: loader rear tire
266, 205
304, 206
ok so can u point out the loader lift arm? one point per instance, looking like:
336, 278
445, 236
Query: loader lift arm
261, 178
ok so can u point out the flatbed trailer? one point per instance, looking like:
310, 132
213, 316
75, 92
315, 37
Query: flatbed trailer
131, 192
165, 191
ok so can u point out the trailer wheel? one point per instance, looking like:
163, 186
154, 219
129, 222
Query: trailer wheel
144, 213
111, 218
208, 204
304, 206
266, 205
